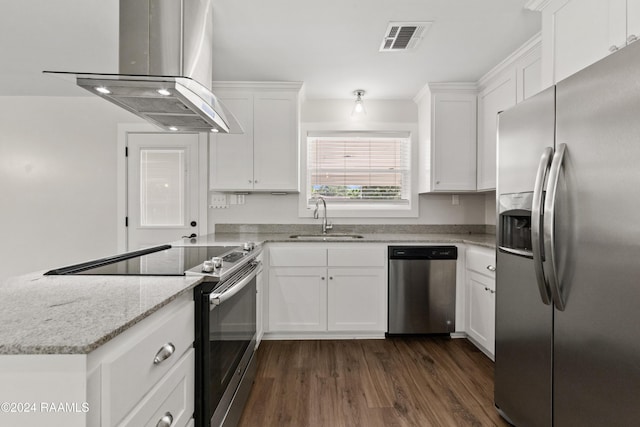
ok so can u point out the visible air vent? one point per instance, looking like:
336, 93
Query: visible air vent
403, 35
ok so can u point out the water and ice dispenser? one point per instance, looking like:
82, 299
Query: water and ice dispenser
514, 228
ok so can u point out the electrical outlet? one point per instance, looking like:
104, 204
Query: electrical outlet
218, 201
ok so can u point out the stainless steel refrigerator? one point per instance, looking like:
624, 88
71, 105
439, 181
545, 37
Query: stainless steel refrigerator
568, 259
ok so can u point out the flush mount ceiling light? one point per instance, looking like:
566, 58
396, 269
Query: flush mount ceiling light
358, 107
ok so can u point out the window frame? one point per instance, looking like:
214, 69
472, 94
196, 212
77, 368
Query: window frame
360, 209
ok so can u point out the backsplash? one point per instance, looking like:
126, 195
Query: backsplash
357, 228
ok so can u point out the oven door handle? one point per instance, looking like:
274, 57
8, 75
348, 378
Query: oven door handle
217, 299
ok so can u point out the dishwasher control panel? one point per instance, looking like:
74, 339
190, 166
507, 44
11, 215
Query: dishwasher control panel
423, 252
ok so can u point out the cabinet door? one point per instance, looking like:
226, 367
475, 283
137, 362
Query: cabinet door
297, 299
357, 299
481, 310
231, 155
633, 20
529, 69
453, 146
581, 32
495, 98
275, 141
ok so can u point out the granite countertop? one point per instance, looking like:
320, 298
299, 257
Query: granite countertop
77, 314
224, 239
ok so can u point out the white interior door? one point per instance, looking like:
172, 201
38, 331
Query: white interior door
162, 188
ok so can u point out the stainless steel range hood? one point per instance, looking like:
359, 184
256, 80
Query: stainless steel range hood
164, 67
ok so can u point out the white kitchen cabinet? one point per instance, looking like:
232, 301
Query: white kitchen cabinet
116, 384
297, 299
231, 155
497, 97
356, 299
265, 156
481, 298
577, 33
512, 81
325, 289
447, 112
481, 311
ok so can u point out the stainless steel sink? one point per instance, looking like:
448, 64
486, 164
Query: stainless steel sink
332, 236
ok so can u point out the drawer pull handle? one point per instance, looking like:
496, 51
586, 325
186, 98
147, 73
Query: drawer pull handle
164, 353
491, 267
166, 420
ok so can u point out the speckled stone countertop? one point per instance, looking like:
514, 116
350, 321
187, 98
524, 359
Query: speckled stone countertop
77, 314
224, 239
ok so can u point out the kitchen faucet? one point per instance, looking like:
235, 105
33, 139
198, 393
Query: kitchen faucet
325, 226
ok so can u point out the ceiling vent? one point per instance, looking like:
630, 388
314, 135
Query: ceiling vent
403, 35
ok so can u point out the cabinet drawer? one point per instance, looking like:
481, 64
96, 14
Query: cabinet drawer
354, 256
482, 261
297, 256
132, 372
172, 397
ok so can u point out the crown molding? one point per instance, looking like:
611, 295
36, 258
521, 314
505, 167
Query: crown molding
536, 5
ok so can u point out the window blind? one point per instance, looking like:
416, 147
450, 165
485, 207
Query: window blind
355, 168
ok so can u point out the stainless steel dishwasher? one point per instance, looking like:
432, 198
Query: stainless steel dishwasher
422, 289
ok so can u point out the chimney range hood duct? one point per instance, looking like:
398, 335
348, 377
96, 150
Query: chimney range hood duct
165, 52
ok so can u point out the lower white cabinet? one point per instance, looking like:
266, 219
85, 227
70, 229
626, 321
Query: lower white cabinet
116, 384
297, 299
482, 311
322, 288
481, 298
356, 299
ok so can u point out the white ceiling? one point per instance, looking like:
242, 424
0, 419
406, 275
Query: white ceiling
330, 45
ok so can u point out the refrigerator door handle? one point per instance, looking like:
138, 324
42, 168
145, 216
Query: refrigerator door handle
537, 245
549, 226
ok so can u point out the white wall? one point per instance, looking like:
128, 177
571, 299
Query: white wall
490, 208
434, 209
57, 181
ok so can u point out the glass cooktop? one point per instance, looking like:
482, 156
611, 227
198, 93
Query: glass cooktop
158, 261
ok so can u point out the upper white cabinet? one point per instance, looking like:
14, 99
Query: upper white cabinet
512, 81
265, 156
498, 96
577, 33
447, 115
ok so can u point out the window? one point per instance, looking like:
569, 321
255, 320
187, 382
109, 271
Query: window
359, 168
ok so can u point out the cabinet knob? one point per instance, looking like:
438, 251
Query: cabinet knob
632, 38
330, 278
255, 181
491, 267
166, 420
492, 291
164, 353
250, 181
486, 289
322, 278
437, 182
613, 48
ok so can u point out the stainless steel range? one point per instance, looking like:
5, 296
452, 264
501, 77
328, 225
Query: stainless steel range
225, 335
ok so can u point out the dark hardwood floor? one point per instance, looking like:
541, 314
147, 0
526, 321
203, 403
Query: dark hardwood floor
393, 382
